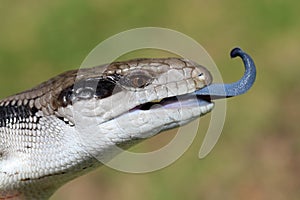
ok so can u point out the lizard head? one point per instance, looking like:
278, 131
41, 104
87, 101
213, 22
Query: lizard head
136, 99
139, 98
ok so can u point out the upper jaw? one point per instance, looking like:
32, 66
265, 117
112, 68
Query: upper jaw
129, 101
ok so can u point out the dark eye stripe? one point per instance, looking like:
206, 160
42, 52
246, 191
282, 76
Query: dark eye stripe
106, 88
87, 89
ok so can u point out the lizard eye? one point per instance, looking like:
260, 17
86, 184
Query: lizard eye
136, 79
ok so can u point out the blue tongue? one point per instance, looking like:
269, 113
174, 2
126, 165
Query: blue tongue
218, 90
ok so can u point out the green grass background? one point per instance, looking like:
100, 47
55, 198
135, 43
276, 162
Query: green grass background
258, 154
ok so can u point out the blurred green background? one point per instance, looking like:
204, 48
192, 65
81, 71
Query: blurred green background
258, 154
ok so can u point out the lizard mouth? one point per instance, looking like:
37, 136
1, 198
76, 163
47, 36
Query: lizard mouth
176, 102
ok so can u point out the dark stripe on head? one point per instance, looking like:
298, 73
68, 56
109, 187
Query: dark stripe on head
89, 88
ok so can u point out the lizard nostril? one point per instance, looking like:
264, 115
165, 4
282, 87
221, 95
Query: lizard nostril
204, 75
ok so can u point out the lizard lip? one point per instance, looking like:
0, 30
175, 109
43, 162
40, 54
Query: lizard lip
187, 100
